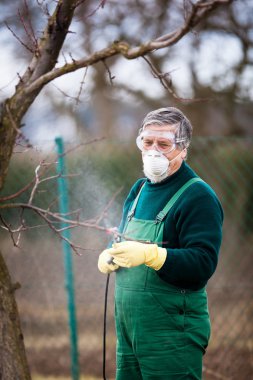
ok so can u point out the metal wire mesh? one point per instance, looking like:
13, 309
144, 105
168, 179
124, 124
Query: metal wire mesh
225, 163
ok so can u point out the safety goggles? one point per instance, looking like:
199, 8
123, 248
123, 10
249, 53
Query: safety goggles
163, 141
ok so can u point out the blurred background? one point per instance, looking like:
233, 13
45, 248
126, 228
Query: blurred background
211, 74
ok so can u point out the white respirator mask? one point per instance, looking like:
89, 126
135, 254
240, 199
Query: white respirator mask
156, 165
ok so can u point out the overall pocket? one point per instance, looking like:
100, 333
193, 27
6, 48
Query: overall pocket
171, 309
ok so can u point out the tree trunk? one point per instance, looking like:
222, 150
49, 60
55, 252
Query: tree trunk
8, 134
13, 362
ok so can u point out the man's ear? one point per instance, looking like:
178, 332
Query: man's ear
184, 153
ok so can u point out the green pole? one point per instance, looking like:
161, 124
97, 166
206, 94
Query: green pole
67, 256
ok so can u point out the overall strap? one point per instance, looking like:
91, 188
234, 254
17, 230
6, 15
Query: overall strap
162, 214
132, 210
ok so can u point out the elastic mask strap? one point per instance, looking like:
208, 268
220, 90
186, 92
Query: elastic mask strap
132, 211
162, 214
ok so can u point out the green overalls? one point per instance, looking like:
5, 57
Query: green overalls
162, 330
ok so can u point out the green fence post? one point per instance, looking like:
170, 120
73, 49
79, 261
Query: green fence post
67, 255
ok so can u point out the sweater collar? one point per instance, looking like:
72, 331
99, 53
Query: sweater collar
170, 179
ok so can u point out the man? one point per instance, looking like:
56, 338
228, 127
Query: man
171, 230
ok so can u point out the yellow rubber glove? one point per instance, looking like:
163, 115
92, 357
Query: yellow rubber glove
132, 253
103, 264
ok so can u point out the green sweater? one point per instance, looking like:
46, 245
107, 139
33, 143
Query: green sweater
193, 227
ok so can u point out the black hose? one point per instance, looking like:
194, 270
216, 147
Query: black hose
104, 332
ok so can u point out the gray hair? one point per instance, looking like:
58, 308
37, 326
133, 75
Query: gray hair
174, 117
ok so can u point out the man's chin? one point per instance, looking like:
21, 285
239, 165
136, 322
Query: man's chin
156, 179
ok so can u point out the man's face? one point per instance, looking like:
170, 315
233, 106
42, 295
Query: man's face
165, 143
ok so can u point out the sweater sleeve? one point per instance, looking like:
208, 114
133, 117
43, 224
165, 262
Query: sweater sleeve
198, 223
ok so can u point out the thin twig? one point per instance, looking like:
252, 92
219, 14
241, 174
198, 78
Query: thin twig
19, 39
81, 86
24, 228
64, 93
59, 175
19, 192
29, 28
70, 213
56, 199
46, 167
166, 81
82, 144
100, 5
22, 225
7, 227
111, 78
36, 184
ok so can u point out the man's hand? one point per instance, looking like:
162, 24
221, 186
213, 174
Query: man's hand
103, 262
132, 253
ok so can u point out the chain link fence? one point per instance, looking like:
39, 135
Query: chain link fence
97, 172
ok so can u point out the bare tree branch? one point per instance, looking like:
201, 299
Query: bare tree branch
46, 167
51, 218
51, 214
198, 11
55, 217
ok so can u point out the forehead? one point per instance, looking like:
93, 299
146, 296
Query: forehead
161, 128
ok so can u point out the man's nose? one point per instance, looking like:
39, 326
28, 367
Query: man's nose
155, 146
